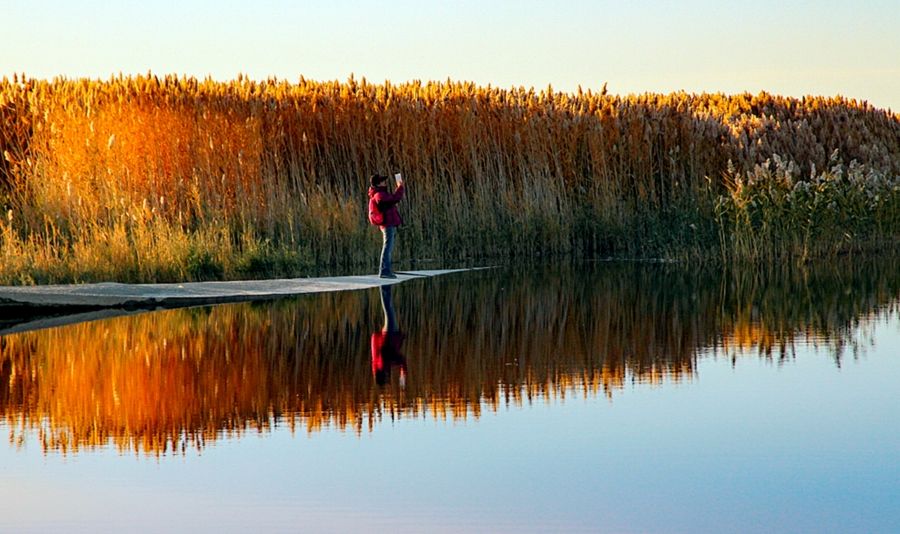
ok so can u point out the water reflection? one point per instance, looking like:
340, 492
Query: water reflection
386, 344
179, 379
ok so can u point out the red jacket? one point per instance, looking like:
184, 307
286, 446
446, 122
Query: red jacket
387, 204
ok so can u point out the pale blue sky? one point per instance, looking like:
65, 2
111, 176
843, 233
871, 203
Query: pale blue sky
788, 47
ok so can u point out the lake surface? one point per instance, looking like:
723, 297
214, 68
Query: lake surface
612, 397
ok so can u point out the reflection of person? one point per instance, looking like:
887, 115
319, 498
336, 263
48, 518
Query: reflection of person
386, 344
383, 213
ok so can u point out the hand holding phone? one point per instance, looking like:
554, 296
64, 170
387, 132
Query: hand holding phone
399, 178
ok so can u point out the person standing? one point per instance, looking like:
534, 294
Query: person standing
383, 213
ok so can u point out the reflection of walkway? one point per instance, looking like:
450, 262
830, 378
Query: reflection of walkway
23, 302
386, 355
198, 375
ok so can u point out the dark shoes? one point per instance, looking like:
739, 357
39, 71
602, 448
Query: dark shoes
388, 275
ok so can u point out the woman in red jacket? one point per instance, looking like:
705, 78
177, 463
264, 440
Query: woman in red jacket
383, 213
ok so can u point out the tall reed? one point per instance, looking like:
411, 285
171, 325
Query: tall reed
170, 178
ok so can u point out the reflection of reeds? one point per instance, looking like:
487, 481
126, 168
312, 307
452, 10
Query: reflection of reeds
765, 311
165, 381
152, 178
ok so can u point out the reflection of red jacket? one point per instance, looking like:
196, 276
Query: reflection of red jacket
387, 203
386, 353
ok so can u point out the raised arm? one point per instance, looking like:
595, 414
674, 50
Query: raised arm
386, 200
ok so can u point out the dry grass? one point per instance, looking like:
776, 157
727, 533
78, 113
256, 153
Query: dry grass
147, 178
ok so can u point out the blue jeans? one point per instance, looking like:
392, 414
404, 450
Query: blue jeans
387, 247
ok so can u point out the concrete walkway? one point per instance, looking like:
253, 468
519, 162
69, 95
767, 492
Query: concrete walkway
115, 295
37, 307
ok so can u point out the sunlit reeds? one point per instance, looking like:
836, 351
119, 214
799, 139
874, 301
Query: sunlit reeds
149, 178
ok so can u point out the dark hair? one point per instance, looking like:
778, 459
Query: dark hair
377, 179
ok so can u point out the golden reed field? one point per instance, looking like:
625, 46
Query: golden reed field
153, 178
164, 382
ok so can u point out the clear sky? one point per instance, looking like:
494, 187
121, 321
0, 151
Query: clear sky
789, 47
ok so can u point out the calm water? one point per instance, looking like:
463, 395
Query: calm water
599, 397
